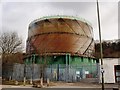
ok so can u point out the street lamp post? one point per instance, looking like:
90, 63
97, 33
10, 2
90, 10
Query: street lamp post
101, 54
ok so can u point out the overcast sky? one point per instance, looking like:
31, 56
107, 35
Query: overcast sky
16, 16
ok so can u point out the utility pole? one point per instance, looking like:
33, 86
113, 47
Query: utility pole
101, 51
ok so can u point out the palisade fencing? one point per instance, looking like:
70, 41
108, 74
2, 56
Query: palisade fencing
56, 72
7, 71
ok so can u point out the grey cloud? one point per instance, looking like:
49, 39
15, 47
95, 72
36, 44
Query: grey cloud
17, 16
59, 0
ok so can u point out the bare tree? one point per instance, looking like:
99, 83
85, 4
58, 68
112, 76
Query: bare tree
10, 43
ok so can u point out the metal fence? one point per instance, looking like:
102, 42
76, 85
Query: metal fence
56, 72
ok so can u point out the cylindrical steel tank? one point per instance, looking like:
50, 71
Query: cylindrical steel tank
58, 35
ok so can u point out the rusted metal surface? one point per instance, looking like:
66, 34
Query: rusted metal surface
60, 35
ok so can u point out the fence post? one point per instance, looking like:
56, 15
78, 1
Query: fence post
24, 83
10, 78
41, 82
48, 81
51, 73
31, 80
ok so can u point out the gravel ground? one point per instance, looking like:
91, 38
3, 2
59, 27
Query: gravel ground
81, 85
66, 85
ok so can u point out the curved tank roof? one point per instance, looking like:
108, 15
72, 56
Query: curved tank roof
61, 16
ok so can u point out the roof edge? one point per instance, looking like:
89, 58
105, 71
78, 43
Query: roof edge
61, 16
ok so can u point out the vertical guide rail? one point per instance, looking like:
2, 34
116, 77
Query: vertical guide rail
101, 54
